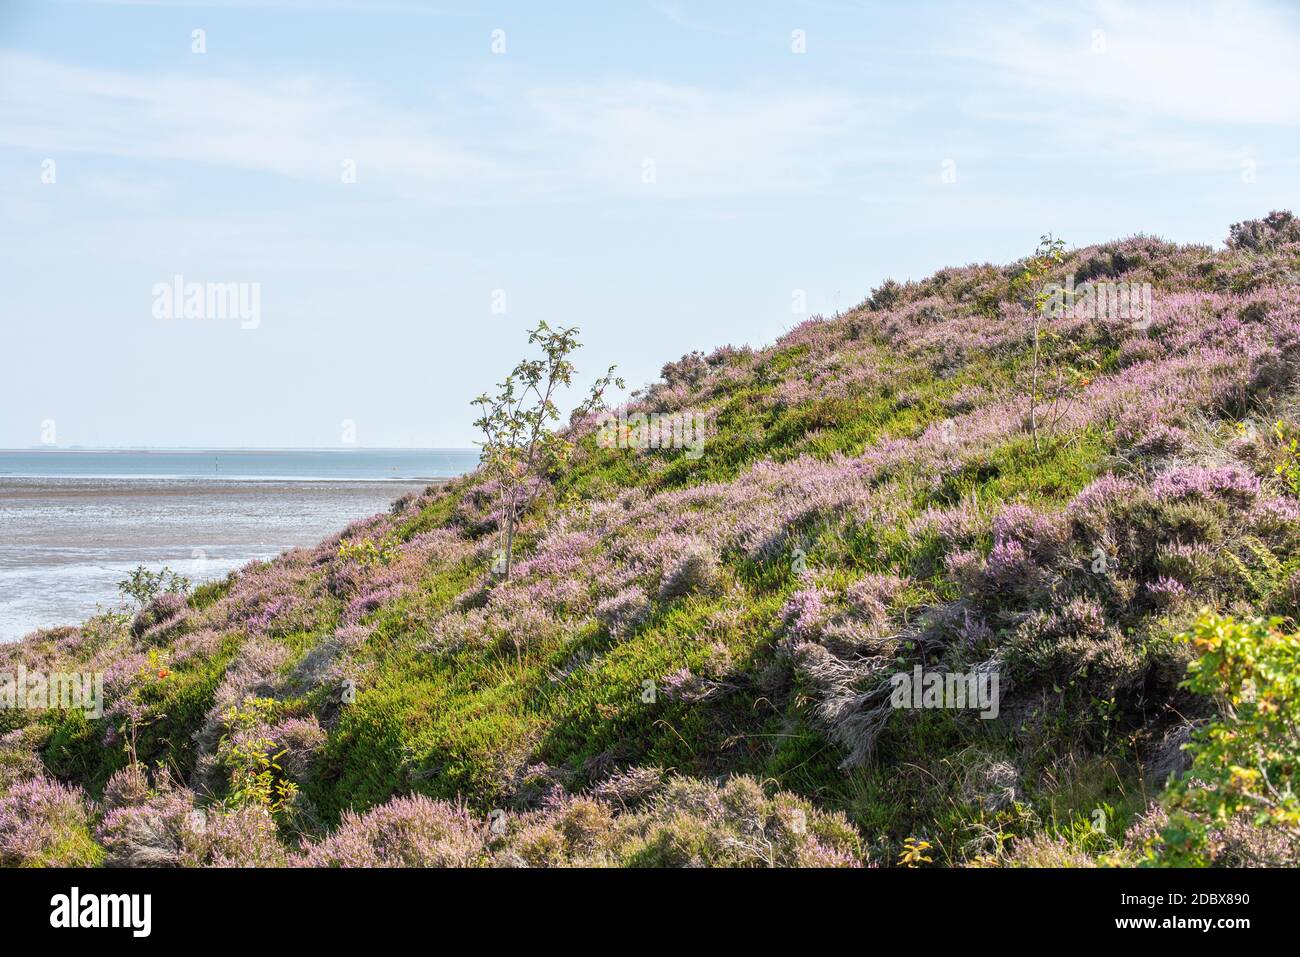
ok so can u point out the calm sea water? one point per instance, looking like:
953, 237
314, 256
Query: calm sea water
73, 523
288, 465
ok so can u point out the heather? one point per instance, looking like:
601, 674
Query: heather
689, 662
636, 819
44, 823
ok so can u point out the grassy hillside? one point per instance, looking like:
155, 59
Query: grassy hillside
691, 662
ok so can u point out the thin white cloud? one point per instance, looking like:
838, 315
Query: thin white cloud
217, 4
676, 14
1230, 61
298, 127
571, 141
709, 142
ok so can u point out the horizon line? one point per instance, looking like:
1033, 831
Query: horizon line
236, 448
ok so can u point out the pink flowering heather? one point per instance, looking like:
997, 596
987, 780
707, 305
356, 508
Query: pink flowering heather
369, 602
958, 525
195, 646
162, 611
351, 637
411, 831
269, 596
1140, 349
276, 611
127, 787
243, 837
870, 596
559, 555
44, 823
966, 567
255, 672
1166, 590
298, 740
1161, 439
973, 629
1229, 481
965, 399
1274, 516
1099, 498
695, 570
156, 831
122, 673
806, 611
169, 830
624, 610
1037, 531
684, 685
1009, 566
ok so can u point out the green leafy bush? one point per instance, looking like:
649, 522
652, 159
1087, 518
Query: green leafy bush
144, 586
371, 552
256, 777
1244, 762
1288, 469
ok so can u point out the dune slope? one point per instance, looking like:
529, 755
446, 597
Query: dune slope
692, 661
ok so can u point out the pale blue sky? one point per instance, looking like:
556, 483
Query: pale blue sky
524, 170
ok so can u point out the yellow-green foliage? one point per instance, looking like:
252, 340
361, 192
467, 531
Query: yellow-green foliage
1245, 761
255, 775
1288, 469
369, 552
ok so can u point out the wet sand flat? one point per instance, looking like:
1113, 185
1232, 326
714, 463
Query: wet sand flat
66, 542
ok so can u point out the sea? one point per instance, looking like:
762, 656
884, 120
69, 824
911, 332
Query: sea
74, 522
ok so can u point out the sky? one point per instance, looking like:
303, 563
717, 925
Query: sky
401, 190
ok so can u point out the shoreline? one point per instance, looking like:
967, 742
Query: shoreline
177, 477
39, 488
68, 540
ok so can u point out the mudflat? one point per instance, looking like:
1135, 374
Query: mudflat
66, 542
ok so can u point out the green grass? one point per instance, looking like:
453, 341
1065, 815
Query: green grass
463, 723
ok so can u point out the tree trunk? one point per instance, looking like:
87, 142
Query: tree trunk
510, 543
1033, 390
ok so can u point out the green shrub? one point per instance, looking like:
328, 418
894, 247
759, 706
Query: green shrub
1244, 762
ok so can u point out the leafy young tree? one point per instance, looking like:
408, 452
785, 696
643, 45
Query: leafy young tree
144, 586
520, 447
1050, 253
256, 777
